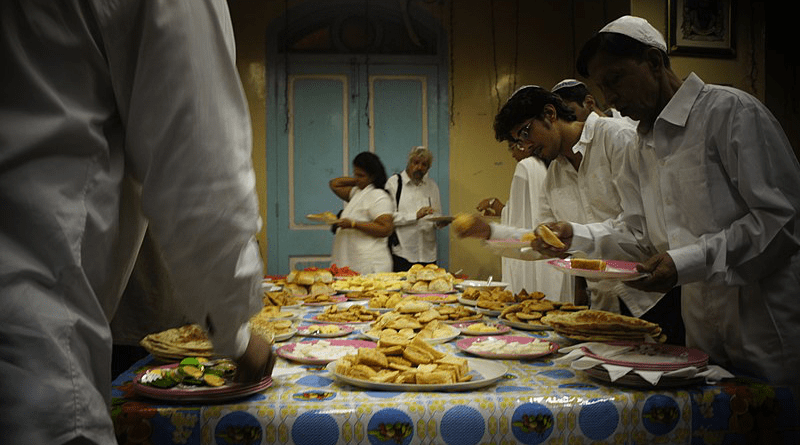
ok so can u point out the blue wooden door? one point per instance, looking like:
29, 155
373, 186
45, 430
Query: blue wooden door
328, 113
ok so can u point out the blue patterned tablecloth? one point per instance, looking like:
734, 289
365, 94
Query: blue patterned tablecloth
537, 401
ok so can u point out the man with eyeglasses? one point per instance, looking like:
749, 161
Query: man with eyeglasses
581, 185
712, 189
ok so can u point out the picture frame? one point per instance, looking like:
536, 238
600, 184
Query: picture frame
701, 28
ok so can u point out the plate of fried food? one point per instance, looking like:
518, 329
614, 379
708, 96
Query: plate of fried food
320, 352
435, 298
403, 326
353, 314
195, 380
324, 330
282, 299
595, 269
323, 300
279, 330
414, 365
507, 347
323, 217
603, 326
482, 328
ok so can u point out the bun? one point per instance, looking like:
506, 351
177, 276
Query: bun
440, 285
323, 276
463, 222
549, 237
304, 277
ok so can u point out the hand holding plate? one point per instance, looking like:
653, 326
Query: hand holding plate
561, 229
661, 274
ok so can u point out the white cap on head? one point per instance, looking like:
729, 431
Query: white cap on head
638, 29
524, 87
566, 83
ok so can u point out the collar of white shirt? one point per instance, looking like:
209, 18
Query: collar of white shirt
677, 110
586, 135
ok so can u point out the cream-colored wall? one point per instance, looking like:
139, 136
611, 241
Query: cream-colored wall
483, 77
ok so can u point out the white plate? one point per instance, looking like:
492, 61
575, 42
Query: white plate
287, 351
464, 345
485, 373
615, 270
499, 328
317, 320
479, 284
514, 250
455, 332
489, 312
343, 330
467, 301
287, 335
526, 326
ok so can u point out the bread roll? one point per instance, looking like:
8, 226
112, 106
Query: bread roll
304, 277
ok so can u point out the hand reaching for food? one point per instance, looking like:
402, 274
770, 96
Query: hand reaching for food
490, 207
471, 226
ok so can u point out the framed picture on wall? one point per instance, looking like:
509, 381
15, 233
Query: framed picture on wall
701, 28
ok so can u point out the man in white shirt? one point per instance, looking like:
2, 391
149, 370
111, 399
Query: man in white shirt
581, 185
577, 96
114, 117
416, 196
714, 187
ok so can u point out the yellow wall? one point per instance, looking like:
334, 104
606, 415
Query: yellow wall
483, 76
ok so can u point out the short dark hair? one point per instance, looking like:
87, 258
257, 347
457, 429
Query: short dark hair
372, 165
615, 44
576, 93
524, 104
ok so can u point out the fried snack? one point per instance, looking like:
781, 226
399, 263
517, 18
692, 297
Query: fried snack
462, 222
279, 298
602, 326
353, 314
528, 237
384, 299
549, 237
414, 362
399, 326
531, 310
319, 298
588, 264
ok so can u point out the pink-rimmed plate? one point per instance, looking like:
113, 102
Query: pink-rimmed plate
316, 319
465, 328
334, 299
502, 347
198, 394
329, 350
615, 270
307, 331
652, 356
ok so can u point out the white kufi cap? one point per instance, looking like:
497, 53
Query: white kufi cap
639, 29
566, 83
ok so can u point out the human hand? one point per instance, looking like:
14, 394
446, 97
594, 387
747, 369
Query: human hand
662, 274
561, 229
424, 211
490, 207
344, 223
472, 227
257, 362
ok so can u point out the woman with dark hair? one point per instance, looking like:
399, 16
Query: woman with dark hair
367, 219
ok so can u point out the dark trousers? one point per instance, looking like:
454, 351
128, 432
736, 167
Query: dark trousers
400, 264
667, 313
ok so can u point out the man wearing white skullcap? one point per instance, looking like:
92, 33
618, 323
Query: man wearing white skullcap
714, 187
576, 95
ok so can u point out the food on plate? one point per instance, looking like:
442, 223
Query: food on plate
498, 299
425, 325
341, 271
327, 216
481, 327
319, 299
176, 343
429, 278
531, 311
463, 222
322, 349
384, 281
595, 325
549, 237
311, 281
456, 314
353, 314
413, 361
191, 371
296, 289
510, 347
269, 327
323, 329
411, 306
280, 298
384, 299
589, 264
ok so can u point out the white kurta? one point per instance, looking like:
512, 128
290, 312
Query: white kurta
717, 186
104, 103
417, 236
520, 211
590, 194
355, 249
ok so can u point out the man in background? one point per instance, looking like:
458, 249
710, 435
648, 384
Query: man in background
416, 196
116, 117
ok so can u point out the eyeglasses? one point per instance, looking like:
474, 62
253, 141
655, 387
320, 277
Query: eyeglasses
522, 136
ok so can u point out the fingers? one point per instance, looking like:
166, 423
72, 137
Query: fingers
257, 362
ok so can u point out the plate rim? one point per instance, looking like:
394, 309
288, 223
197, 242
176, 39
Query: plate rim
200, 394
318, 360
554, 347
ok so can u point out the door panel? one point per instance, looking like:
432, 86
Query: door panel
333, 111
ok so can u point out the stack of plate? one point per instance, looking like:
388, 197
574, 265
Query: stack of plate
655, 357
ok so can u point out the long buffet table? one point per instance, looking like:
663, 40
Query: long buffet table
536, 401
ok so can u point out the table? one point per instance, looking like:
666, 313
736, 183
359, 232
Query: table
537, 401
